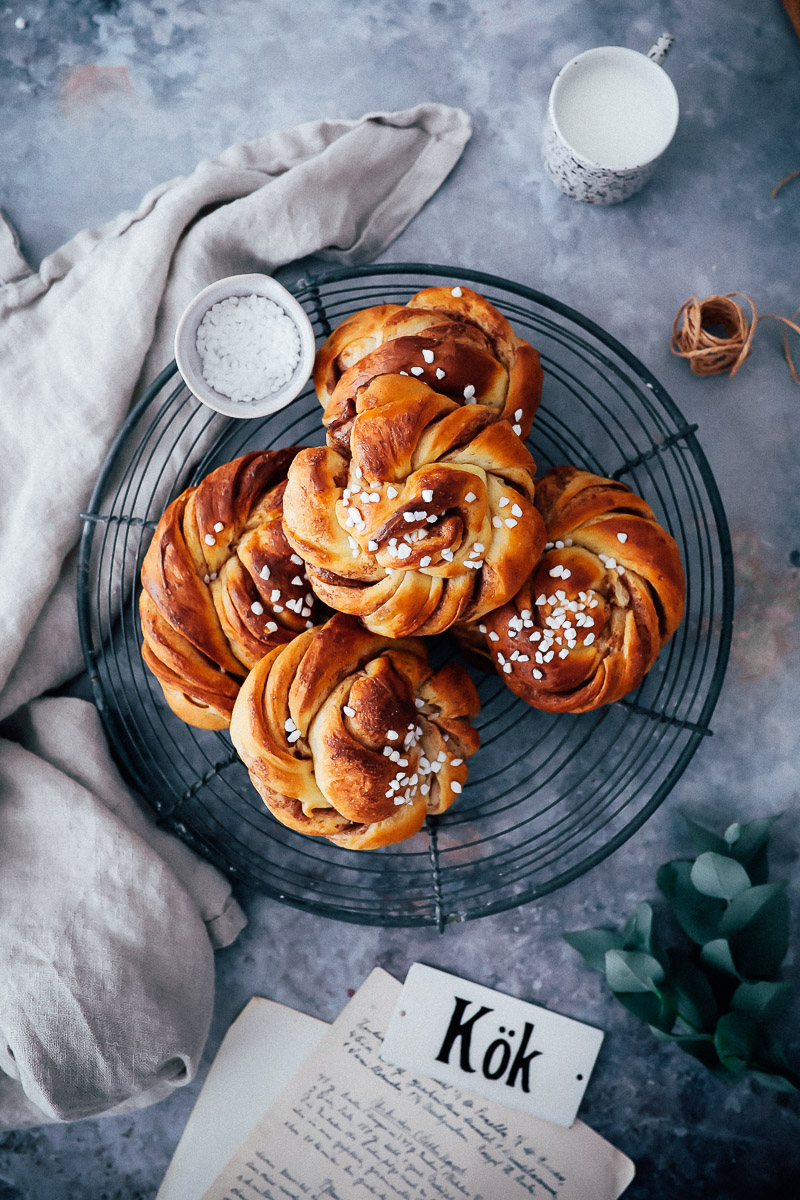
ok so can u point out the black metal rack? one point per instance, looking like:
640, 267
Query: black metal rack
548, 796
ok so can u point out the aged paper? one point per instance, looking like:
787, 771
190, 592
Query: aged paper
349, 1126
259, 1054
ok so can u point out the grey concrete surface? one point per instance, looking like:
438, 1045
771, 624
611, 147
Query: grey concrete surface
101, 101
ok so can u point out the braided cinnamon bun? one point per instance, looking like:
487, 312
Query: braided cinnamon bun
429, 520
354, 737
607, 594
221, 586
451, 338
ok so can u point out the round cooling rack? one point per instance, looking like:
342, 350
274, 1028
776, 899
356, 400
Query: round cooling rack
548, 796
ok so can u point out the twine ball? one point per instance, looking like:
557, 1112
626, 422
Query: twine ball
709, 352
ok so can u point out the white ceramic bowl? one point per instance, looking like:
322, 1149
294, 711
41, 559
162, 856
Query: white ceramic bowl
189, 361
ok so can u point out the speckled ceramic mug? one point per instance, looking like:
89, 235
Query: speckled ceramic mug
612, 113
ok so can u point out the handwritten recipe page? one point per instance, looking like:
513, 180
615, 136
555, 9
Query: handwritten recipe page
349, 1125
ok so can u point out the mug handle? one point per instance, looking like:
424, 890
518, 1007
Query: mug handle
659, 51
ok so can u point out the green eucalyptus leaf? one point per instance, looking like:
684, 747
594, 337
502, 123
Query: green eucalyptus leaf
719, 876
758, 865
746, 840
637, 980
718, 954
698, 915
593, 943
779, 1083
664, 1035
696, 1003
771, 1056
705, 839
736, 1040
760, 946
680, 1034
717, 1010
633, 971
748, 906
762, 1001
772, 1060
638, 932
701, 1048
646, 1006
657, 1009
669, 1007
751, 847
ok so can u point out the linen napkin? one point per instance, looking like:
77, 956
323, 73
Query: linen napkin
106, 923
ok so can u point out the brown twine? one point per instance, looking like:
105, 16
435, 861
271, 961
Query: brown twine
709, 353
712, 353
796, 328
786, 179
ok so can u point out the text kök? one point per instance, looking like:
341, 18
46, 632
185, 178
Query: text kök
497, 1057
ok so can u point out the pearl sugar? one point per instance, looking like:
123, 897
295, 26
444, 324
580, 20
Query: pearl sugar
248, 346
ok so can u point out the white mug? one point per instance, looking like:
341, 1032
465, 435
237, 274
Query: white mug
611, 115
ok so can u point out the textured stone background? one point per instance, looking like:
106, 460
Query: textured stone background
101, 101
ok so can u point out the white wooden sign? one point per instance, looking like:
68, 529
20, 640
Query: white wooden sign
505, 1049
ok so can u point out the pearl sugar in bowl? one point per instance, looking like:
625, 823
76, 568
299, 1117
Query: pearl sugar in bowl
244, 346
248, 346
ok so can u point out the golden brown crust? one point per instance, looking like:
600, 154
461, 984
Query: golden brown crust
793, 13
460, 345
217, 557
354, 737
607, 594
430, 518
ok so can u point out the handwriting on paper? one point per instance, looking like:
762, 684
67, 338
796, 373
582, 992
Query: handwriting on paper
350, 1126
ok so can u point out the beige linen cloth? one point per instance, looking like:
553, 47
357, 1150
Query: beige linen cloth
107, 924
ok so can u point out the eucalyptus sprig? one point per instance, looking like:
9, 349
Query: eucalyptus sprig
718, 999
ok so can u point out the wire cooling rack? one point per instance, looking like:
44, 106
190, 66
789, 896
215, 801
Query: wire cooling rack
548, 796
